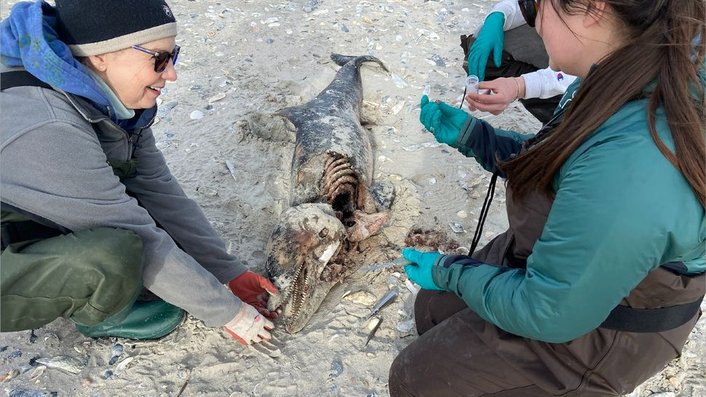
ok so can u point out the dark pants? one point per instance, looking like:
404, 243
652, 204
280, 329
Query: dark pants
523, 52
460, 354
436, 365
86, 276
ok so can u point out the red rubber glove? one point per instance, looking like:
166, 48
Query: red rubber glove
254, 290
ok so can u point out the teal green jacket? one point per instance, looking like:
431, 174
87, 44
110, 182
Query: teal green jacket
621, 210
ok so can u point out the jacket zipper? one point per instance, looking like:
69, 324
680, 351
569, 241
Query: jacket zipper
132, 143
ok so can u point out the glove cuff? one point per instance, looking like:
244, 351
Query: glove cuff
465, 132
234, 281
441, 271
242, 312
438, 271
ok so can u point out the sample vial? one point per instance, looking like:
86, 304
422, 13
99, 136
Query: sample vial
472, 84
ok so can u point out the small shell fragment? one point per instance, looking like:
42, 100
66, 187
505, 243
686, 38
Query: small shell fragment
405, 327
216, 97
37, 372
68, 364
457, 227
6, 377
123, 364
411, 287
115, 352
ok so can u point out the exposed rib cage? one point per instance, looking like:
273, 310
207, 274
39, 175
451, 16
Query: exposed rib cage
340, 183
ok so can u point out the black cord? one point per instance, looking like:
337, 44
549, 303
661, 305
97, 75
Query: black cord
486, 203
483, 213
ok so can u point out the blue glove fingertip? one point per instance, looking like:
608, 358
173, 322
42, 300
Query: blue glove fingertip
481, 68
497, 55
471, 65
424, 101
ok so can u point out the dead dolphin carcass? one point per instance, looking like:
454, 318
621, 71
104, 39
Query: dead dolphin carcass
333, 157
332, 200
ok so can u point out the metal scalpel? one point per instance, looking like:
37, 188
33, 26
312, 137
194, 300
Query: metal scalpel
401, 261
384, 301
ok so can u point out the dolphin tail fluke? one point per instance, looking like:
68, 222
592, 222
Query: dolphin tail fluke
341, 60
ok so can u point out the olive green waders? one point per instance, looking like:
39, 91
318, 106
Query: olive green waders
86, 276
91, 277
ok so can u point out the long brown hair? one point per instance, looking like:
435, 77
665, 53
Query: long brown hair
666, 46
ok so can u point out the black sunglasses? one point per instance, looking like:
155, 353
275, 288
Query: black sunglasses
161, 59
529, 9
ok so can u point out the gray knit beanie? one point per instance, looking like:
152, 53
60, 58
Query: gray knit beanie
92, 27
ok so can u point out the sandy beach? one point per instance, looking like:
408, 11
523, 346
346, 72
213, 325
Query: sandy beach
241, 61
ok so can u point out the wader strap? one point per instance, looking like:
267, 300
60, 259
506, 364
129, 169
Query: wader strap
624, 318
15, 232
24, 226
18, 78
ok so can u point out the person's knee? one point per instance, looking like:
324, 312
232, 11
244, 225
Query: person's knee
112, 262
395, 377
115, 253
399, 379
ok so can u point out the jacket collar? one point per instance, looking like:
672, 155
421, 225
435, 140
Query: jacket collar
142, 119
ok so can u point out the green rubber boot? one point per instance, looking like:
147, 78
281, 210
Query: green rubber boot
145, 320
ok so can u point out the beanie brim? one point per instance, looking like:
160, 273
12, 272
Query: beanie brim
125, 41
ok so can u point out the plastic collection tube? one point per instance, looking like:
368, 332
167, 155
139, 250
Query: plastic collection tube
472, 84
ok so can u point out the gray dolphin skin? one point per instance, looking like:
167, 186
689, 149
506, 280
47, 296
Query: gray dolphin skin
331, 205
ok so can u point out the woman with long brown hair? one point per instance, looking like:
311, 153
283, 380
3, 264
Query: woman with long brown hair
598, 281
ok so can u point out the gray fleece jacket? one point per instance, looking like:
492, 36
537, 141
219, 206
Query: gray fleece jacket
54, 149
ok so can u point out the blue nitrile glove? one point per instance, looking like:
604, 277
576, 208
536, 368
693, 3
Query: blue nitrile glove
420, 270
442, 120
490, 39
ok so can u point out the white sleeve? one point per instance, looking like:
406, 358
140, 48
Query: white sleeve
546, 83
511, 10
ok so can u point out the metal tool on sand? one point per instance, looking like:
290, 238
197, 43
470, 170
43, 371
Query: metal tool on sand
401, 261
384, 301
